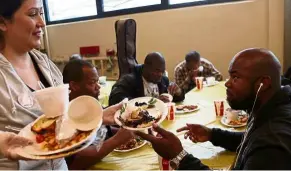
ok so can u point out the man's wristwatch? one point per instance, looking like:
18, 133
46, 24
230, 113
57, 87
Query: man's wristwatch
175, 162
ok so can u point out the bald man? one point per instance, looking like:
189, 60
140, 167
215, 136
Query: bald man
147, 80
254, 86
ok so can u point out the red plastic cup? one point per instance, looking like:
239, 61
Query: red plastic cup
219, 107
199, 82
164, 164
172, 112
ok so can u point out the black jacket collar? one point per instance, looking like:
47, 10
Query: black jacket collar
268, 110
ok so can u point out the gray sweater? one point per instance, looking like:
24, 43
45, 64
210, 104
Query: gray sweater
18, 107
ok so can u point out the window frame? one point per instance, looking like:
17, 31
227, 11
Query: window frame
165, 5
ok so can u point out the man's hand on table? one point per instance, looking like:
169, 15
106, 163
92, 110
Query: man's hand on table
165, 99
166, 144
196, 133
193, 74
174, 89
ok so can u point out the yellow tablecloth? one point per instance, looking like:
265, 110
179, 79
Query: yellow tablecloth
145, 158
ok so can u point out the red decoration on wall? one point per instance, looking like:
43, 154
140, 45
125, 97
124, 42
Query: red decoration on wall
89, 51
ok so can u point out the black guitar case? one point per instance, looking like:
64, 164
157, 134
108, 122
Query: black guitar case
126, 45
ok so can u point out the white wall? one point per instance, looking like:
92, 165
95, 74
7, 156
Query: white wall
217, 31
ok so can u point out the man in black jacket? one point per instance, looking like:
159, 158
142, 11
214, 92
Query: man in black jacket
147, 80
254, 86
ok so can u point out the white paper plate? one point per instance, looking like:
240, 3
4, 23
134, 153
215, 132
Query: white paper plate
159, 105
124, 151
233, 126
210, 85
36, 149
84, 113
58, 155
188, 111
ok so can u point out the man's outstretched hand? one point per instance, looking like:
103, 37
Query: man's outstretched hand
166, 144
196, 133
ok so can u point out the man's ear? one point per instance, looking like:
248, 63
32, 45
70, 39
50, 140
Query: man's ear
74, 86
266, 83
3, 26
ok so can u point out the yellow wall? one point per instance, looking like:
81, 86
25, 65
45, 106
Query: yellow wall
287, 36
217, 31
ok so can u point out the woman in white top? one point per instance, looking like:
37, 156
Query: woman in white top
21, 68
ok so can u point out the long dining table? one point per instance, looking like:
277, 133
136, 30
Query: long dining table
145, 158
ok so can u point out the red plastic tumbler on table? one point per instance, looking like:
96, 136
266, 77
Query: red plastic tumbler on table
164, 164
219, 107
171, 112
199, 82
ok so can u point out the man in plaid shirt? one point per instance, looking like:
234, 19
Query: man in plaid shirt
194, 66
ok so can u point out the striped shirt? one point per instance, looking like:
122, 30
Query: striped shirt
183, 80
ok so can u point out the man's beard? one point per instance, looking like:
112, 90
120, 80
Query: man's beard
245, 104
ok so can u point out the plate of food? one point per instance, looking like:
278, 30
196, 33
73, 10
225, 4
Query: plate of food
43, 133
83, 146
133, 144
141, 113
234, 118
180, 109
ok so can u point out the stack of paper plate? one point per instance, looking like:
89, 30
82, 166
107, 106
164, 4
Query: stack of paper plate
78, 117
